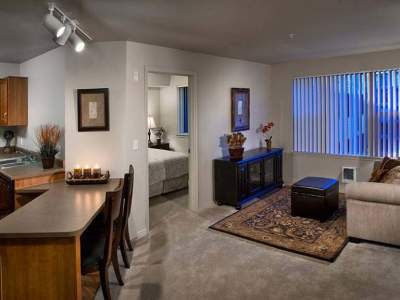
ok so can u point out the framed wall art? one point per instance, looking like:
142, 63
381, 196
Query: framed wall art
240, 109
93, 110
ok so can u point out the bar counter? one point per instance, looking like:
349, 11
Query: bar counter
40, 242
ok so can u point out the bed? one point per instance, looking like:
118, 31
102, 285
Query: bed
168, 171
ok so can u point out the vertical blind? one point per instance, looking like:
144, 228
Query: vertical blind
183, 111
347, 114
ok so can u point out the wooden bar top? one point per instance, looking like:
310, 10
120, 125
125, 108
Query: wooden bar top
63, 211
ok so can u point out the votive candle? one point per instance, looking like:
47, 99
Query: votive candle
96, 171
77, 171
87, 172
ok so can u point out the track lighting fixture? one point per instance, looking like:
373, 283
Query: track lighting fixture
53, 24
61, 40
65, 29
76, 42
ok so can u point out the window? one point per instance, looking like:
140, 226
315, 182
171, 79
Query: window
347, 114
183, 111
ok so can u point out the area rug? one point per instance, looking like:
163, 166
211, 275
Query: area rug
268, 221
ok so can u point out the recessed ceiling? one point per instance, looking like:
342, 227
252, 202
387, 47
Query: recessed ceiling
267, 31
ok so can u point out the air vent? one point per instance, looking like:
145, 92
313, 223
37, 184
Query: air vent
349, 174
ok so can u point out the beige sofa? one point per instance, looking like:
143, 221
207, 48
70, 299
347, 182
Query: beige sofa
373, 212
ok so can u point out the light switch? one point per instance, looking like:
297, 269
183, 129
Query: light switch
136, 76
21, 141
135, 145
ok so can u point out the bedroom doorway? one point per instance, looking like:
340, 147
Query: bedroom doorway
171, 147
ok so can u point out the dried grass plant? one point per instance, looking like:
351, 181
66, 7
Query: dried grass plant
47, 138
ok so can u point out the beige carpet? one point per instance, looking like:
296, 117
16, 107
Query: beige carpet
269, 221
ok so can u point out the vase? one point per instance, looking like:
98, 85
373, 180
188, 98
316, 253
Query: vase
268, 144
48, 162
236, 153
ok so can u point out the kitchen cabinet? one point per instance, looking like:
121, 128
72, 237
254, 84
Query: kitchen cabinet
14, 101
6, 195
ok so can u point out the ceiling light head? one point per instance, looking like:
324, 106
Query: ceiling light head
61, 40
76, 42
54, 25
292, 36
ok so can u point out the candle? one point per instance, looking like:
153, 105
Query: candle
77, 172
96, 171
87, 172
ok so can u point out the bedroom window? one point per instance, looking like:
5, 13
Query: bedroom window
183, 111
348, 114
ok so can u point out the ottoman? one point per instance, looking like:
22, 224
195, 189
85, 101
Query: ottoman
315, 198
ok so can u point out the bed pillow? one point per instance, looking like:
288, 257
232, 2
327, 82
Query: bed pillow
393, 176
386, 165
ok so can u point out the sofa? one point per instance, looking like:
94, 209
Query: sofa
373, 212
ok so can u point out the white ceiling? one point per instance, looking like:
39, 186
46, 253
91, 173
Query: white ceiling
255, 30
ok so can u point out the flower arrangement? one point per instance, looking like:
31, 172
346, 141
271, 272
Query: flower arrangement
236, 140
265, 129
47, 138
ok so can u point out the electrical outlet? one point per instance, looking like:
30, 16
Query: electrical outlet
21, 141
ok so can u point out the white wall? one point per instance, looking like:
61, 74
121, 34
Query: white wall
113, 65
215, 77
46, 93
153, 100
301, 165
7, 69
169, 114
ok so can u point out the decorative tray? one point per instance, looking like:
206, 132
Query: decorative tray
103, 179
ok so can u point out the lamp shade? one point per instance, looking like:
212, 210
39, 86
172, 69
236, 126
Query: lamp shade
54, 25
150, 122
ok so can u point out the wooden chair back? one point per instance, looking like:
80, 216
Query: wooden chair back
113, 211
127, 196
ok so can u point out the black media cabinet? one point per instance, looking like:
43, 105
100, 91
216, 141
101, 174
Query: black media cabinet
237, 182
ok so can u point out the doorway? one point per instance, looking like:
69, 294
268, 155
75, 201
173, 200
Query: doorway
171, 110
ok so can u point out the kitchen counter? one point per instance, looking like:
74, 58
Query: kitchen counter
29, 171
63, 211
40, 250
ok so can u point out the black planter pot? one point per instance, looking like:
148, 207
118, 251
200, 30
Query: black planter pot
48, 162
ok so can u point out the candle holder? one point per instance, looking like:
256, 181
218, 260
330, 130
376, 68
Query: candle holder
102, 179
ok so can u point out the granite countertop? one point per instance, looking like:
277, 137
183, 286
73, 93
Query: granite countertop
61, 211
29, 171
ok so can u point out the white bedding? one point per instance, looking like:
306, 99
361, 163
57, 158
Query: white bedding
165, 165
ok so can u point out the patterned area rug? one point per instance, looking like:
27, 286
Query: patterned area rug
269, 221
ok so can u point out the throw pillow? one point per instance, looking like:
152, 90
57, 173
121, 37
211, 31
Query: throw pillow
393, 176
386, 165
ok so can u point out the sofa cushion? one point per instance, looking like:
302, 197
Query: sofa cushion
374, 192
392, 177
386, 165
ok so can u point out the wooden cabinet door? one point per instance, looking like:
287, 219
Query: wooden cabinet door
3, 102
17, 114
255, 178
6, 195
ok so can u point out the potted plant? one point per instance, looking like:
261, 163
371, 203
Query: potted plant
266, 128
47, 139
235, 142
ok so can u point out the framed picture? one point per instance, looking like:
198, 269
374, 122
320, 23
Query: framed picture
240, 109
93, 110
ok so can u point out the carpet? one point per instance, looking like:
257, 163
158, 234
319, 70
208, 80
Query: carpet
268, 221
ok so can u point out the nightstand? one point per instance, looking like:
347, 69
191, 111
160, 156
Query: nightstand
163, 146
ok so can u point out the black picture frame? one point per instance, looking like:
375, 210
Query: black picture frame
93, 109
240, 109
